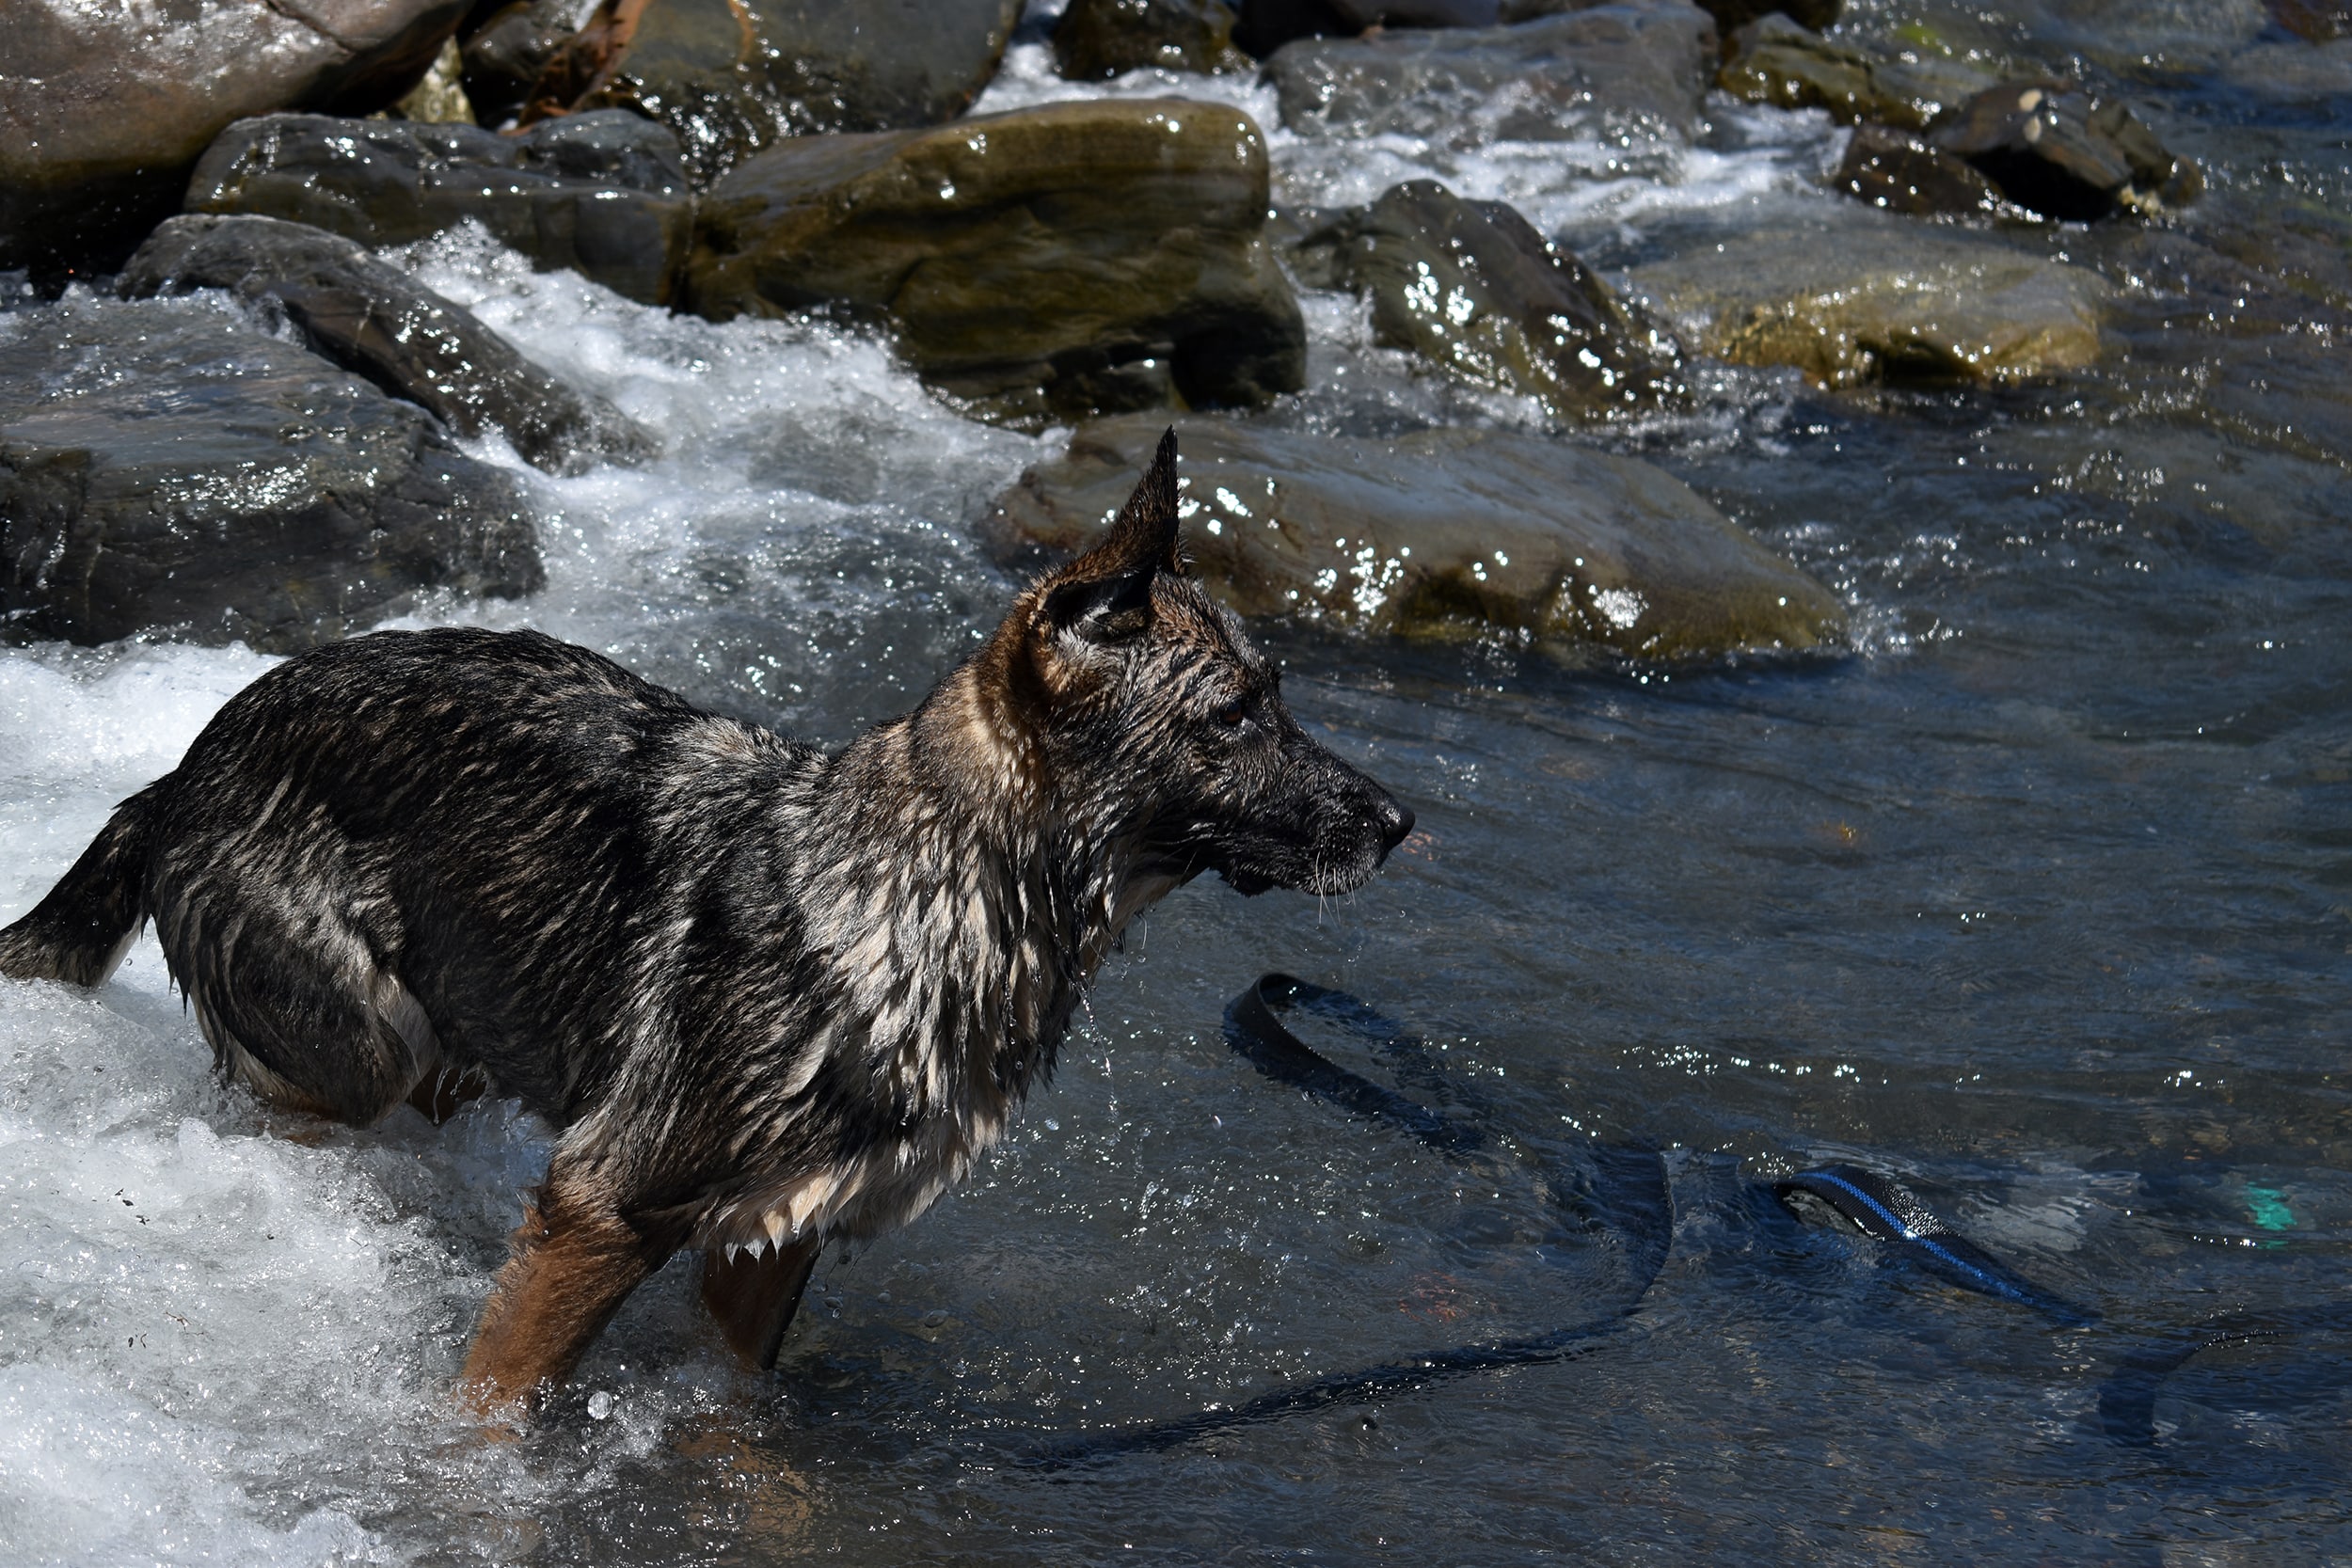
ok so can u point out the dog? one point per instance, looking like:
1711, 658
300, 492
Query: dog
766, 996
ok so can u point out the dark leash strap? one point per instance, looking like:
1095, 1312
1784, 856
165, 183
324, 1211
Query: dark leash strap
1633, 1187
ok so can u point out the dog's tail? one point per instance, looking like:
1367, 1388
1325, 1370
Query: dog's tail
80, 932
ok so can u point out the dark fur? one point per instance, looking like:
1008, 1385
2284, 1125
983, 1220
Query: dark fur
766, 995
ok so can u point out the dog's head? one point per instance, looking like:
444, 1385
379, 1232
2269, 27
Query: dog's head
1154, 719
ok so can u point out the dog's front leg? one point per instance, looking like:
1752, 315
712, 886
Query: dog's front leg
575, 1259
754, 1298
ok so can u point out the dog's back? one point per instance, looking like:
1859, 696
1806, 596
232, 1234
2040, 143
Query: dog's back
413, 854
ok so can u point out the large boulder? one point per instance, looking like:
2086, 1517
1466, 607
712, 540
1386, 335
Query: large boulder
1470, 286
378, 323
1774, 60
1096, 39
164, 466
1442, 533
733, 77
1041, 264
603, 194
2060, 151
104, 107
1878, 300
1632, 67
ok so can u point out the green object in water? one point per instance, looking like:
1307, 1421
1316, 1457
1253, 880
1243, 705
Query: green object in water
2268, 1205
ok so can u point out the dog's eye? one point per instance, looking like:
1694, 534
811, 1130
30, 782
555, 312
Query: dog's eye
1233, 713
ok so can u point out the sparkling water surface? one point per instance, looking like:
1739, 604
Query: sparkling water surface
2038, 899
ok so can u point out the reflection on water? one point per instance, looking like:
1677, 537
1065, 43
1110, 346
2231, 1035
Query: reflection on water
2041, 901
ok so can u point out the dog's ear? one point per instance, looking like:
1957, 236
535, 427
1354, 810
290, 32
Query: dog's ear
1105, 594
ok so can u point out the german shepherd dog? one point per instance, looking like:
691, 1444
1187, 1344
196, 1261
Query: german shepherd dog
766, 996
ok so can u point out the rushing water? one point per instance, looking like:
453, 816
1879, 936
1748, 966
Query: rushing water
2041, 899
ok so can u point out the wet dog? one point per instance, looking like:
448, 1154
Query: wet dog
766, 996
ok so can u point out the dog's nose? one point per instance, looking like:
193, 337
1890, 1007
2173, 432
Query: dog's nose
1396, 821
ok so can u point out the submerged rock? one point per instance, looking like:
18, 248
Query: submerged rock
104, 107
1100, 39
1472, 287
1895, 170
1442, 533
503, 60
733, 77
2059, 151
1100, 255
378, 323
1774, 60
1638, 67
1875, 302
603, 194
164, 469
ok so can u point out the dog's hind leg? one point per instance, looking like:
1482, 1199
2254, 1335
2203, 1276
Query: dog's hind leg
754, 1298
575, 1259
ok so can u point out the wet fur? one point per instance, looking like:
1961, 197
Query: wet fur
766, 995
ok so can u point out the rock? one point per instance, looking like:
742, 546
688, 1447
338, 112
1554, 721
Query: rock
1041, 265
1732, 15
1882, 301
104, 107
1896, 170
2056, 150
733, 77
1472, 287
377, 323
1097, 40
503, 59
1774, 60
1442, 533
1638, 67
2313, 20
441, 98
165, 467
604, 194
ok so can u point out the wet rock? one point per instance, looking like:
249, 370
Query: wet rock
104, 107
1774, 60
733, 77
1099, 255
165, 467
1882, 301
604, 194
1442, 533
1470, 286
1097, 40
2058, 150
377, 323
1895, 170
1732, 15
503, 59
1638, 67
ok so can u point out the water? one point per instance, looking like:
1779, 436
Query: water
2040, 900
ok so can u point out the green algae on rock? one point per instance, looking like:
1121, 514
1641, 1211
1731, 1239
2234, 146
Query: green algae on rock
1047, 263
1472, 287
1880, 300
1444, 533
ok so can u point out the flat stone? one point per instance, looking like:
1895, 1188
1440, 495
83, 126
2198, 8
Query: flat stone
1441, 533
1895, 171
2056, 150
603, 194
1472, 287
1096, 39
1099, 255
163, 467
1638, 68
1882, 300
731, 77
380, 324
104, 107
1774, 60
